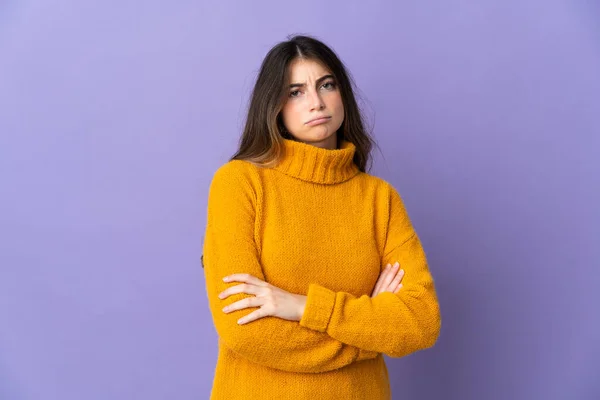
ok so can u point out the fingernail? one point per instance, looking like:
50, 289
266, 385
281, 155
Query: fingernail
226, 278
396, 265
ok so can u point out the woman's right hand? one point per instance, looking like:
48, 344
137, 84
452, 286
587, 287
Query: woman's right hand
389, 280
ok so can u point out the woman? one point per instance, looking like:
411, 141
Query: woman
299, 245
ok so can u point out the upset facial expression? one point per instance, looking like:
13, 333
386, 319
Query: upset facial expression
313, 111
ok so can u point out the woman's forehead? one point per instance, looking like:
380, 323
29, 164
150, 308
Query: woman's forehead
300, 70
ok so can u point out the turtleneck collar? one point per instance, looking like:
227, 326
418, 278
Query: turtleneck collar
314, 164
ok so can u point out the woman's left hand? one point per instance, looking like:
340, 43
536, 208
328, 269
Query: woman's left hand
272, 300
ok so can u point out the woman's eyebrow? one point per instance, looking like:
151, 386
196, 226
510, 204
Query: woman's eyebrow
293, 85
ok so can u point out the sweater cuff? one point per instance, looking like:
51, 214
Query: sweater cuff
318, 309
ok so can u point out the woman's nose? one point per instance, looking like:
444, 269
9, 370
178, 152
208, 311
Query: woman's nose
316, 102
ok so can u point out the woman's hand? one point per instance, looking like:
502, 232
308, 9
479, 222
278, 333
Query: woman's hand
272, 300
389, 280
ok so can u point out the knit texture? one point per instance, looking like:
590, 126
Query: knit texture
317, 226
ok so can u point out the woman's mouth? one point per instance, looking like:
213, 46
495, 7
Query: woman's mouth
318, 121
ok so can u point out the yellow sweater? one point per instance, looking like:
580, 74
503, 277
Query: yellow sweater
317, 226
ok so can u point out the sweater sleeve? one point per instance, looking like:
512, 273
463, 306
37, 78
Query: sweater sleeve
396, 324
230, 247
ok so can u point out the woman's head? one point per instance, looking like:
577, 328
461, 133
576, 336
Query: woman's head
301, 79
313, 110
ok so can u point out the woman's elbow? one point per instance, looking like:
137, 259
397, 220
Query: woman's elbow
431, 326
423, 336
431, 332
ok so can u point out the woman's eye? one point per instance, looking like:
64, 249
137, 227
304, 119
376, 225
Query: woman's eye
326, 85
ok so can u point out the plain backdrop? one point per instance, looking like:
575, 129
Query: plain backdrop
114, 115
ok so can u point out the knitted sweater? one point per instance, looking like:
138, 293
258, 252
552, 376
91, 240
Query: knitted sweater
317, 226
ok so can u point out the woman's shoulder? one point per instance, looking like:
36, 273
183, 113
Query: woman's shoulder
235, 172
377, 182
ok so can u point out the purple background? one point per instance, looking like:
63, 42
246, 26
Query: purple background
114, 116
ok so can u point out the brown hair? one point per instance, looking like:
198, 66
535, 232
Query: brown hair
261, 142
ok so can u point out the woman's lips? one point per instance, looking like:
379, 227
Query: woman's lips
318, 121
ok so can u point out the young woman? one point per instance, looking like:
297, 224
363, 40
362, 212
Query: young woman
313, 268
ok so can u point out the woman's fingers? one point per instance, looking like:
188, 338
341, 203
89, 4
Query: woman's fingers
241, 288
250, 286
389, 280
244, 303
390, 276
382, 276
397, 279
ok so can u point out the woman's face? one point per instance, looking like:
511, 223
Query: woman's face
313, 93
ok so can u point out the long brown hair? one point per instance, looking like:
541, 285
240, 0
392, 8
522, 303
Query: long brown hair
261, 142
